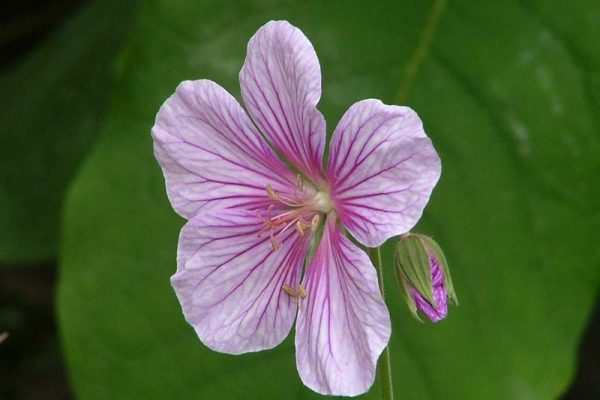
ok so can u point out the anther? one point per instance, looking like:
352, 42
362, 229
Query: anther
274, 243
300, 227
302, 291
314, 223
272, 194
289, 290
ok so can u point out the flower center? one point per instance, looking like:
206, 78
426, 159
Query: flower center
322, 202
302, 211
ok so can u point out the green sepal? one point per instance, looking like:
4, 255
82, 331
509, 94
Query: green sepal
413, 260
405, 291
434, 249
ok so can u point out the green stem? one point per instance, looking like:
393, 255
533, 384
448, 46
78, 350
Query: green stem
385, 365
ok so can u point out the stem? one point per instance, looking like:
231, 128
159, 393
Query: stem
385, 365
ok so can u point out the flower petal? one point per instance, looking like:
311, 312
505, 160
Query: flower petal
440, 296
230, 282
211, 154
281, 86
381, 170
343, 324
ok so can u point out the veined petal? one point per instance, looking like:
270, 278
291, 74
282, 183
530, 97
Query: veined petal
211, 154
438, 311
381, 171
230, 282
281, 86
343, 324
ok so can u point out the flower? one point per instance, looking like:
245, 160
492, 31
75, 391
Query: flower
265, 242
424, 276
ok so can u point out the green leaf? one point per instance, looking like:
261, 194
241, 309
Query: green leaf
51, 110
507, 91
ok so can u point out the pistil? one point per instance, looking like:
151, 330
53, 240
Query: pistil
322, 202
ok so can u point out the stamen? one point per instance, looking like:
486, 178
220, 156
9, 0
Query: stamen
275, 197
268, 218
314, 223
300, 228
272, 195
302, 291
274, 243
300, 184
289, 290
299, 189
291, 215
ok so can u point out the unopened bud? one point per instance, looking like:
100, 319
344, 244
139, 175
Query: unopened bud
424, 276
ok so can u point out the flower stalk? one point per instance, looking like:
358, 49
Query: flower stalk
385, 363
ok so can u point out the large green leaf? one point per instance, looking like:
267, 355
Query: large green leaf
507, 91
51, 110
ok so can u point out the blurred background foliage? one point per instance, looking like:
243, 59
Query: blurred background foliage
509, 92
52, 107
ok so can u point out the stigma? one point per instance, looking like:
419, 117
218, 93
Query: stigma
322, 202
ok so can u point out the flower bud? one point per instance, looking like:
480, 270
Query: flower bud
424, 276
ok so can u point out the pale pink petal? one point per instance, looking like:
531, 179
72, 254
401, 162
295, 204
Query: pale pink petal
211, 154
230, 282
343, 324
281, 86
381, 171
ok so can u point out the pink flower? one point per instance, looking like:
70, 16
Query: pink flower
258, 200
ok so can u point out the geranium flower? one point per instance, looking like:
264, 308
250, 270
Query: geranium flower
258, 200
